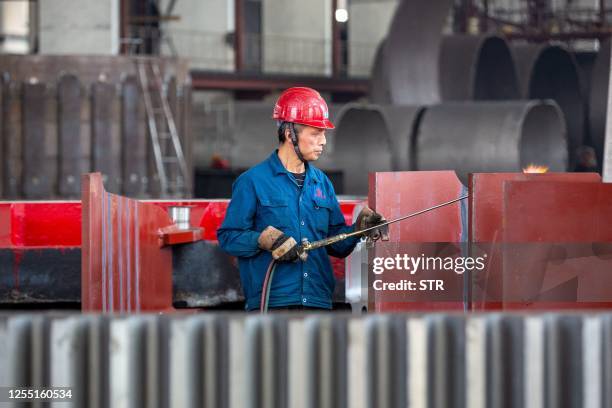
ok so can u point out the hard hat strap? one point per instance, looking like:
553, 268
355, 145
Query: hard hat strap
294, 140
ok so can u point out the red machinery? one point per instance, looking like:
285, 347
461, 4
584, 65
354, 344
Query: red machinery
125, 255
546, 239
560, 220
397, 193
41, 254
544, 231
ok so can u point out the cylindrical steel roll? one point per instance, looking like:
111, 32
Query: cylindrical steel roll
373, 138
379, 78
135, 160
40, 143
551, 72
598, 104
74, 135
66, 115
412, 51
106, 131
12, 139
363, 144
585, 60
416, 65
477, 68
360, 143
491, 136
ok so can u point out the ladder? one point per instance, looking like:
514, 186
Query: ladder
174, 177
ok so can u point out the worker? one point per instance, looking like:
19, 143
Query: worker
285, 199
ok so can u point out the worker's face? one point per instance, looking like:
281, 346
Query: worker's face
311, 142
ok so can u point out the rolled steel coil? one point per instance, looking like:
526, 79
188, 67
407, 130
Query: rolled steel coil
491, 137
373, 138
379, 80
412, 51
477, 68
551, 72
598, 104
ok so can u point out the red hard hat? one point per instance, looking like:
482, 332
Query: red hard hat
304, 106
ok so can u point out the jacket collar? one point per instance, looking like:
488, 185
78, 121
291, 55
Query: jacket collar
278, 168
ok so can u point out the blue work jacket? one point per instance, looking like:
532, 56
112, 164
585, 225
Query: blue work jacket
267, 194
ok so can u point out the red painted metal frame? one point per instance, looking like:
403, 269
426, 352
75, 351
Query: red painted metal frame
395, 194
495, 200
486, 198
574, 270
507, 208
497, 217
123, 267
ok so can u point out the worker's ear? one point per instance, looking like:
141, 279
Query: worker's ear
287, 135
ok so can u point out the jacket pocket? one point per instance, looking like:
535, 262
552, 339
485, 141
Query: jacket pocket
322, 212
274, 211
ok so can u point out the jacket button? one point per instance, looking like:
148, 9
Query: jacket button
302, 223
303, 300
305, 274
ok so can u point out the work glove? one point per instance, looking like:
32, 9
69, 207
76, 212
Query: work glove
368, 218
283, 248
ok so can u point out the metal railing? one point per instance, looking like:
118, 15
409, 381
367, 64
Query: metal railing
560, 20
269, 53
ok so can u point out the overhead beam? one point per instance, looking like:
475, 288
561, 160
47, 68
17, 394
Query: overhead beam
202, 80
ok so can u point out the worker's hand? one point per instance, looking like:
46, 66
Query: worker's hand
283, 248
368, 218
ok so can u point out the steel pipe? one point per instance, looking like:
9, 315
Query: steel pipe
598, 103
65, 115
551, 72
491, 137
477, 68
416, 65
379, 79
373, 138
412, 51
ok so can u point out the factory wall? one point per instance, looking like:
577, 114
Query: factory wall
202, 33
297, 36
90, 28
